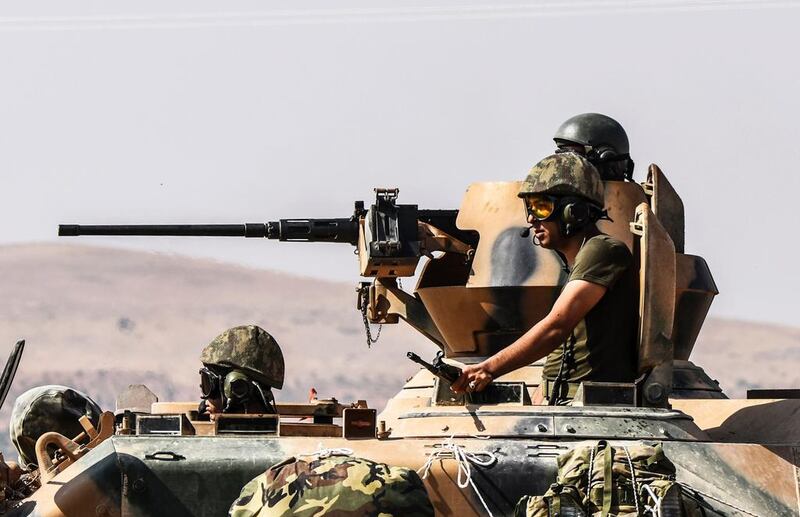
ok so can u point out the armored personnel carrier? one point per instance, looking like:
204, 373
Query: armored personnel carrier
480, 286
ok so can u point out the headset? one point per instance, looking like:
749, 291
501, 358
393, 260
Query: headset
573, 215
235, 389
576, 214
605, 154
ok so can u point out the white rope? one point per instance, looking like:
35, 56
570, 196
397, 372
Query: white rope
449, 450
655, 510
633, 481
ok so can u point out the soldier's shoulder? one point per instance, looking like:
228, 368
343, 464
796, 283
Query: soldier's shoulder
608, 240
606, 247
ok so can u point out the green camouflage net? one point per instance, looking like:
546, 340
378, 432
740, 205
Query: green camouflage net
335, 485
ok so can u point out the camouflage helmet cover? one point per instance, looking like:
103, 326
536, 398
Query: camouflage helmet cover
248, 348
594, 129
334, 485
565, 174
48, 408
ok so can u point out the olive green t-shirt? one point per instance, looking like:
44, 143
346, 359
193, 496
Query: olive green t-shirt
605, 340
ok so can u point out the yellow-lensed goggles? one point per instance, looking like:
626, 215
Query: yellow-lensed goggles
540, 207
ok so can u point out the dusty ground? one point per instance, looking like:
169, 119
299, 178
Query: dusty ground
99, 319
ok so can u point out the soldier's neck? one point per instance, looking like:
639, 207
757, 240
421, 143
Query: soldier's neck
572, 245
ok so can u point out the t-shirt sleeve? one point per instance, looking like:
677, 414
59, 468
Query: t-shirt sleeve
601, 261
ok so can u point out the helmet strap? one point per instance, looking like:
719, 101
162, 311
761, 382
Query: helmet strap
629, 168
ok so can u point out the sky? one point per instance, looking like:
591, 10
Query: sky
179, 112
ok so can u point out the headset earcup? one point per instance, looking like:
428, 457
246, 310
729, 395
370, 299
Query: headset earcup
567, 215
601, 154
606, 154
575, 214
574, 217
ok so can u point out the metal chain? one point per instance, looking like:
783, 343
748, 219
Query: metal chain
370, 340
364, 293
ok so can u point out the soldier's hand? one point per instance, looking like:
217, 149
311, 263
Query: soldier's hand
473, 378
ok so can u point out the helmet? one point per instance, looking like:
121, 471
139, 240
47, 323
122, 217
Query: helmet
48, 408
595, 130
248, 348
565, 174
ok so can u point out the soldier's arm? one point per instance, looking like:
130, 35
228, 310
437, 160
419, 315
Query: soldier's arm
576, 300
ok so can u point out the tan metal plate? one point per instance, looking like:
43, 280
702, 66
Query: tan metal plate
657, 290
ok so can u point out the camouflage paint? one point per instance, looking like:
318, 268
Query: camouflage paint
565, 174
249, 348
334, 485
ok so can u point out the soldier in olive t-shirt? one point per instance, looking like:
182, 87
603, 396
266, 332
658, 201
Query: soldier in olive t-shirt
603, 343
590, 332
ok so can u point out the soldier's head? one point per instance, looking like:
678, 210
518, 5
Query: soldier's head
602, 140
563, 197
240, 368
48, 408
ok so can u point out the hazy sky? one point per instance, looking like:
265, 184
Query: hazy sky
116, 112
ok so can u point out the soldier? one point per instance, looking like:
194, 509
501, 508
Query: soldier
240, 368
590, 333
48, 408
602, 140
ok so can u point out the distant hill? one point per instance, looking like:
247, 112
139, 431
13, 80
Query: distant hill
742, 355
99, 319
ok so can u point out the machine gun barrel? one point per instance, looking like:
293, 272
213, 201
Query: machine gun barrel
304, 230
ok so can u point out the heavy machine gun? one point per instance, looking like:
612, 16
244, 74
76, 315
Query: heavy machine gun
390, 237
390, 240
